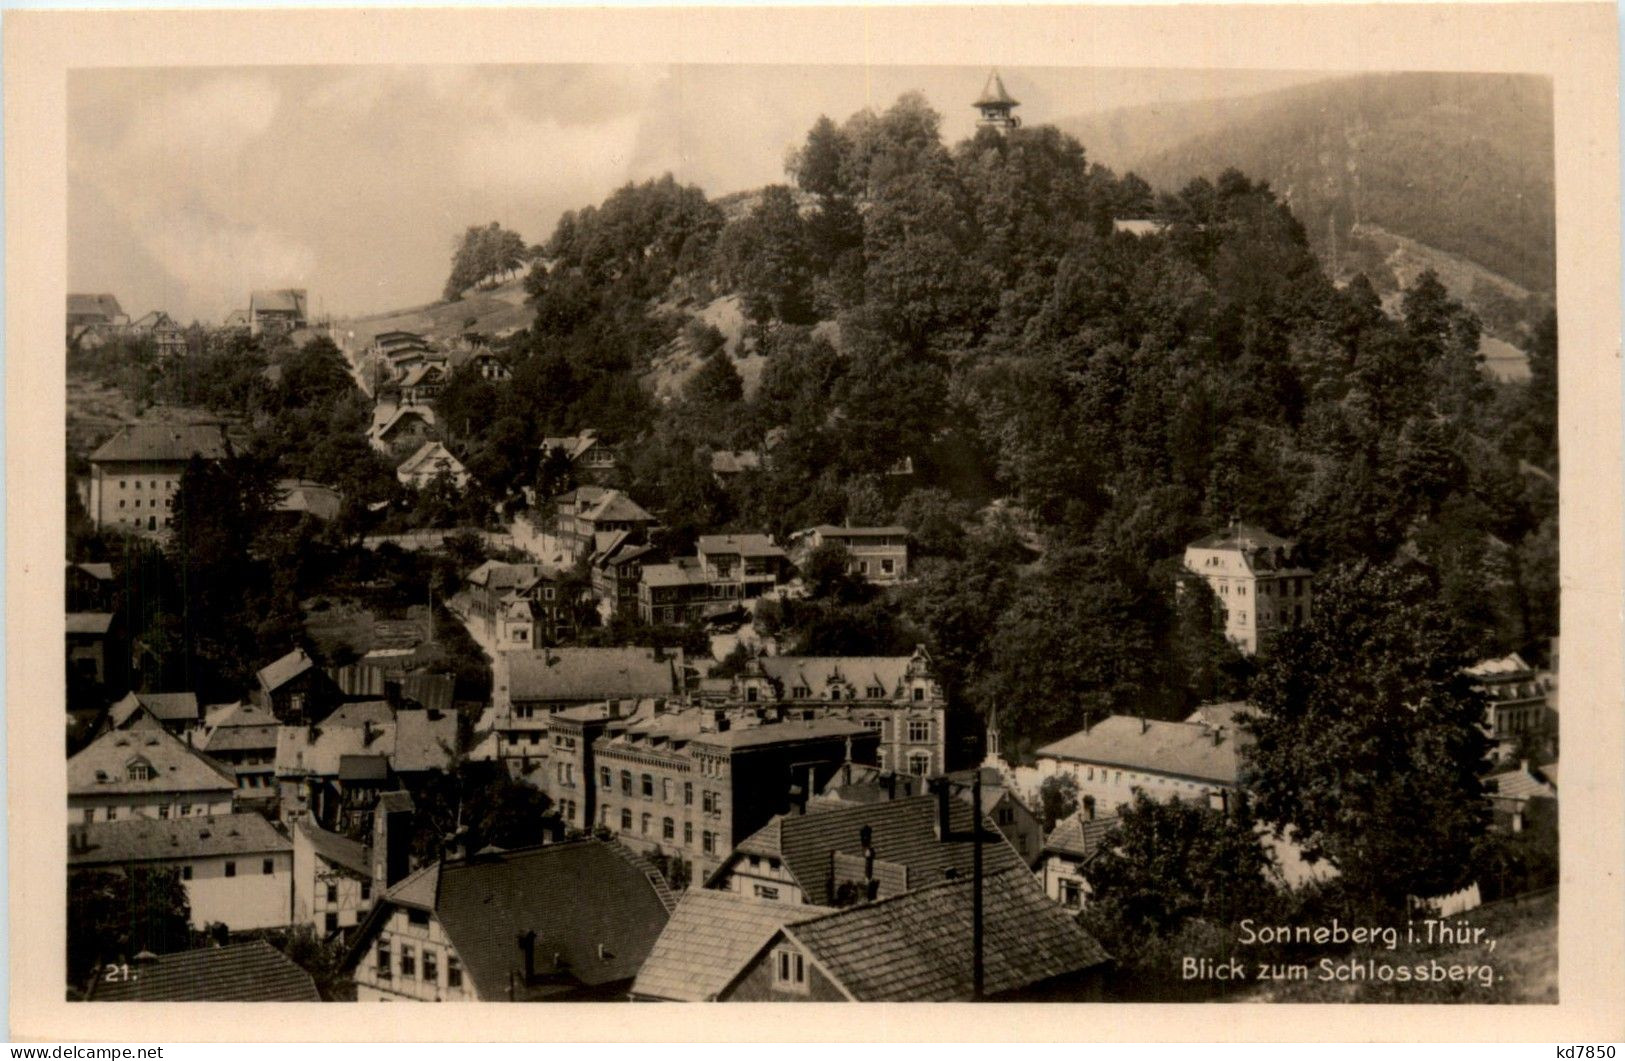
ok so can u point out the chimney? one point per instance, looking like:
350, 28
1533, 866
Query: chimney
369, 733
1218, 734
1089, 808
871, 887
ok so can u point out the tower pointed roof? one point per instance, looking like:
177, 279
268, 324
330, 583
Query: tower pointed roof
994, 94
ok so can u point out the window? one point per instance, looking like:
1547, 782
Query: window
626, 782
603, 778
163, 811
688, 834
750, 694
708, 843
668, 829
626, 821
385, 969
90, 815
409, 962
121, 503
709, 804
332, 893
417, 917
267, 867
874, 725
454, 972
648, 786
366, 890
330, 923
919, 693
764, 892
668, 790
122, 484
918, 731
888, 566
186, 810
1006, 816
186, 873
1071, 894
431, 967
138, 770
800, 692
643, 824
789, 970
919, 764
875, 692
231, 869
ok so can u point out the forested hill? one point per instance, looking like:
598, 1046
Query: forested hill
1460, 162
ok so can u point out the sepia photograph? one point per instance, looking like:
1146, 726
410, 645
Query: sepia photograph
721, 531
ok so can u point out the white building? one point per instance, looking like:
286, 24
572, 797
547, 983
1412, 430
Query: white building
145, 773
236, 868
1121, 756
1258, 580
332, 879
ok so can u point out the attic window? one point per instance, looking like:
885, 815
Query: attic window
138, 770
789, 970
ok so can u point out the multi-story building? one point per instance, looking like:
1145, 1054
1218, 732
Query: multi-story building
690, 784
529, 687
277, 311
896, 697
1123, 756
236, 868
592, 460
875, 554
727, 571
145, 773
332, 879
518, 606
1519, 702
588, 516
575, 923
617, 571
134, 475
1258, 579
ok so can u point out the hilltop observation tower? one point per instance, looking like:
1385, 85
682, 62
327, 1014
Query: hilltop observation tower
996, 106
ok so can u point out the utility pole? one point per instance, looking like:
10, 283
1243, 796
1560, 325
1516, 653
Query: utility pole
977, 971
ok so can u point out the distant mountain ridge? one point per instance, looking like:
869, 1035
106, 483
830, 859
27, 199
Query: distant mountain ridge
1460, 162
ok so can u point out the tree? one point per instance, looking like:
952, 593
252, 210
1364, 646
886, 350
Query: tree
484, 252
1168, 862
1059, 796
115, 915
1368, 741
715, 385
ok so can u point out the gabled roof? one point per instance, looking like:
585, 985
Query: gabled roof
903, 832
596, 910
165, 707
100, 305
618, 507
431, 455
275, 675
174, 443
298, 495
243, 972
993, 93
683, 571
574, 446
1183, 749
829, 530
278, 300
418, 373
399, 416
786, 732
237, 727
163, 839
1521, 782
817, 672
576, 673
102, 767
411, 741
1229, 714
708, 941
1078, 836
916, 947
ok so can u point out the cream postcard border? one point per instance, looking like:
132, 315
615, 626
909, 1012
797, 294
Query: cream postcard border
1575, 45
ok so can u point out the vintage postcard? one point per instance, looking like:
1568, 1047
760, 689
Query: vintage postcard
1081, 506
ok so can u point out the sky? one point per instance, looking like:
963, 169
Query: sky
189, 187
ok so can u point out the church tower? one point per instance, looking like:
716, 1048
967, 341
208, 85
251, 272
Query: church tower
996, 105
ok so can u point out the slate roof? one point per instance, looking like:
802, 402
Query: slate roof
166, 707
575, 673
617, 506
171, 443
1241, 536
243, 972
916, 947
596, 909
1079, 837
165, 839
101, 767
708, 941
278, 300
340, 850
1227, 714
275, 675
741, 544
101, 305
902, 832
411, 740
89, 623
815, 672
500, 577
237, 727
993, 92
434, 692
1182, 749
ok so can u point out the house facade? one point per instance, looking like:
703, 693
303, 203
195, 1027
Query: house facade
332, 879
135, 474
896, 697
878, 555
592, 460
242, 738
587, 518
1259, 580
727, 571
277, 311
428, 463
145, 772
1124, 756
236, 868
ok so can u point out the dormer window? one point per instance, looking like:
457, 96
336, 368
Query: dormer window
138, 770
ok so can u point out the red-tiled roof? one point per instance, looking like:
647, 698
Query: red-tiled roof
245, 972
